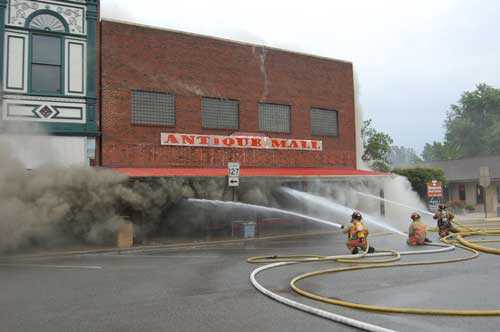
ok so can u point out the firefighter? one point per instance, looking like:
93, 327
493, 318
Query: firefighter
357, 234
417, 233
444, 221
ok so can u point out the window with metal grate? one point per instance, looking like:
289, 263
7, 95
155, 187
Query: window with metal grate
219, 113
324, 122
153, 108
274, 118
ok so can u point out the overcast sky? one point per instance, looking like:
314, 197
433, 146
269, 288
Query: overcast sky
413, 58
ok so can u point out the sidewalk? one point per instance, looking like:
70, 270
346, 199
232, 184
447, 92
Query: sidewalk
154, 244
476, 216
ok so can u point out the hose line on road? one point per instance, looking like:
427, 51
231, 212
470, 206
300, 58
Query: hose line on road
280, 261
450, 243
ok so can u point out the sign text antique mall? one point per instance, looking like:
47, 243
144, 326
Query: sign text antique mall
244, 142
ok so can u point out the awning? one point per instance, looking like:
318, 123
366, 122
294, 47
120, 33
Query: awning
246, 172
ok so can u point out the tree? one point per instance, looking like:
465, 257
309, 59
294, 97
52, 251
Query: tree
472, 126
420, 176
376, 145
474, 123
400, 155
440, 151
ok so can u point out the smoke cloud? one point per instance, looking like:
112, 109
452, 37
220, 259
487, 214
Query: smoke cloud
395, 188
54, 204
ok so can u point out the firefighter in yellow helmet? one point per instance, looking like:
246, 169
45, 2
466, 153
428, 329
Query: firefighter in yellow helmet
357, 235
444, 221
417, 233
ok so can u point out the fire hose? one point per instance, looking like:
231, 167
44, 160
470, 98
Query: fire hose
450, 243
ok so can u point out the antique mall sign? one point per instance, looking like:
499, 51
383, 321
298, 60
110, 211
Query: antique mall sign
242, 142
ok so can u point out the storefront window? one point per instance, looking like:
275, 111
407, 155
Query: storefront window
461, 192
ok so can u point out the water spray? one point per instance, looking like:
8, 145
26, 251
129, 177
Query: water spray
333, 206
262, 208
393, 202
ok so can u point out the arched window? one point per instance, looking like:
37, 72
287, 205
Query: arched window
47, 22
46, 63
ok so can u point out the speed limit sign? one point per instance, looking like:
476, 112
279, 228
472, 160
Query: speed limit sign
233, 169
233, 172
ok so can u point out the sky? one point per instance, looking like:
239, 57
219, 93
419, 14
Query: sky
412, 58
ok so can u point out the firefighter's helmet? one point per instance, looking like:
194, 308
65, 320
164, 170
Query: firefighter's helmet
356, 215
414, 216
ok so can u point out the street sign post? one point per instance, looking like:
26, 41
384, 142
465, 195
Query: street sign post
485, 181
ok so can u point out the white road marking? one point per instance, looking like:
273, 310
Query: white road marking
161, 256
85, 267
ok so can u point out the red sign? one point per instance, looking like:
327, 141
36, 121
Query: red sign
242, 142
434, 189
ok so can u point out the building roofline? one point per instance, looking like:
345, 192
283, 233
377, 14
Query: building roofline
112, 20
463, 159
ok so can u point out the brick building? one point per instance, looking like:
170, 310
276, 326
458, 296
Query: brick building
172, 100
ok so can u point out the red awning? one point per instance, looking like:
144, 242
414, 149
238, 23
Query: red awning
246, 172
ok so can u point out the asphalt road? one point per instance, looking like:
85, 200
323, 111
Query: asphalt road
207, 289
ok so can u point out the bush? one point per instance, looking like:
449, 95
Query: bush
380, 165
470, 207
420, 176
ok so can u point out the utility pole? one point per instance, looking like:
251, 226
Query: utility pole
485, 181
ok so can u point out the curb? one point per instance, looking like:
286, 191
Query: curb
164, 246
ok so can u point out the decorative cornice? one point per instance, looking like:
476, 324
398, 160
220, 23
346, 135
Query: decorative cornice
37, 98
92, 14
73, 14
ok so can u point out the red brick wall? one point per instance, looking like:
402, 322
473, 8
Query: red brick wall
134, 57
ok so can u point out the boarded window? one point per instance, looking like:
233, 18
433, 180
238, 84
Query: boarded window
220, 113
153, 108
274, 118
324, 122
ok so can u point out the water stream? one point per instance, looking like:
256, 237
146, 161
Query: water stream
339, 210
261, 208
395, 203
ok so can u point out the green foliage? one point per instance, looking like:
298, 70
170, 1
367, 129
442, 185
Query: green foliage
472, 127
440, 151
380, 165
470, 207
401, 155
420, 176
377, 145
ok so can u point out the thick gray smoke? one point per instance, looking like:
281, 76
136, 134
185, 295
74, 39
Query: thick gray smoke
53, 204
186, 219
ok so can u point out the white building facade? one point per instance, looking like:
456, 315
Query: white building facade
50, 75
